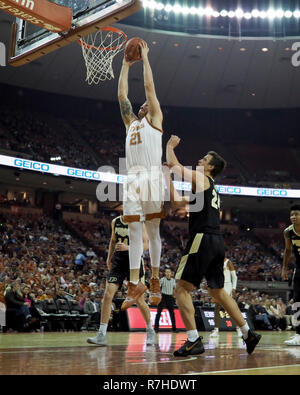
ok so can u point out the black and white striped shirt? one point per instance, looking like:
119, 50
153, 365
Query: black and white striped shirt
167, 286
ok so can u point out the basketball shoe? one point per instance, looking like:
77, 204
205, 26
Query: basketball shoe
238, 332
134, 292
150, 337
214, 333
293, 341
252, 341
99, 340
190, 348
155, 295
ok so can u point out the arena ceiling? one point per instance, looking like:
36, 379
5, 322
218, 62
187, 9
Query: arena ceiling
189, 71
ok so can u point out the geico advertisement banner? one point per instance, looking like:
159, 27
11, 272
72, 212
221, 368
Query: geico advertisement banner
120, 179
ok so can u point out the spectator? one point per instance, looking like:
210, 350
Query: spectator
15, 300
260, 313
79, 261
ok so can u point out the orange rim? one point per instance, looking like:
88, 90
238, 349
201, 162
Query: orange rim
108, 29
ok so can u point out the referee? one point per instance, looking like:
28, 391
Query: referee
167, 285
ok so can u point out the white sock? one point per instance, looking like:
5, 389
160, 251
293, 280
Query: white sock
135, 232
103, 328
152, 228
149, 326
245, 330
134, 282
192, 335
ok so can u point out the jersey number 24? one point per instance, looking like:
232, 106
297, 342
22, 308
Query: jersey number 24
215, 202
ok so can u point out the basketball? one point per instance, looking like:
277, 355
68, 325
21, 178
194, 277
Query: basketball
132, 49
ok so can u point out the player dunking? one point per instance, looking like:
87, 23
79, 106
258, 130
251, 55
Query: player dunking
143, 189
118, 266
205, 252
292, 242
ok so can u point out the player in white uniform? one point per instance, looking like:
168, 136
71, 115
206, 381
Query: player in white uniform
143, 191
230, 282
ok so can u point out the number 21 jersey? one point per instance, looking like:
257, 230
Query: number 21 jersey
143, 145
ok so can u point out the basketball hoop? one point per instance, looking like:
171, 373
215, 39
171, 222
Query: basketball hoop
98, 51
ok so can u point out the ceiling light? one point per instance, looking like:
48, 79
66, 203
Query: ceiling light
279, 13
271, 14
151, 5
168, 8
239, 13
265, 49
296, 14
255, 13
208, 11
262, 14
288, 14
159, 6
200, 11
177, 8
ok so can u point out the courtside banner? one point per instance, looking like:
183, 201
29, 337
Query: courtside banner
92, 175
136, 320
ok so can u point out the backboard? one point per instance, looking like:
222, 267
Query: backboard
29, 42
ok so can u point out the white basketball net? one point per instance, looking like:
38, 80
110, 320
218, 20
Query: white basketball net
98, 51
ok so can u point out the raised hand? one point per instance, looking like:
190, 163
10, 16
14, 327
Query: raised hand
144, 49
173, 141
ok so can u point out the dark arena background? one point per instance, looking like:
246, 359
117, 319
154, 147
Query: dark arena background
227, 77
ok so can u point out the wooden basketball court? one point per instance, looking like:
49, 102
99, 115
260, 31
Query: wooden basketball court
127, 354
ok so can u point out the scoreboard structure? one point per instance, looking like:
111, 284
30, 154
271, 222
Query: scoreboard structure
205, 319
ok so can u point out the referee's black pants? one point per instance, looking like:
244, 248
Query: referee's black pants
167, 302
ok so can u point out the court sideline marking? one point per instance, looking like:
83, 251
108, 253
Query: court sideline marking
241, 370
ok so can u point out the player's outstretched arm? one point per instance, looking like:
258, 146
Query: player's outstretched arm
154, 109
112, 244
125, 105
177, 201
286, 255
198, 179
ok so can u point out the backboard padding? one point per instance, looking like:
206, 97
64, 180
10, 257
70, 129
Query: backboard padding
24, 49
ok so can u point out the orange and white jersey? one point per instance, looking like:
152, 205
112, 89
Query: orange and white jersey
143, 146
144, 189
230, 277
227, 275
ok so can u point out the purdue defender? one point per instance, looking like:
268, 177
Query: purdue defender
143, 190
204, 255
118, 266
292, 242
